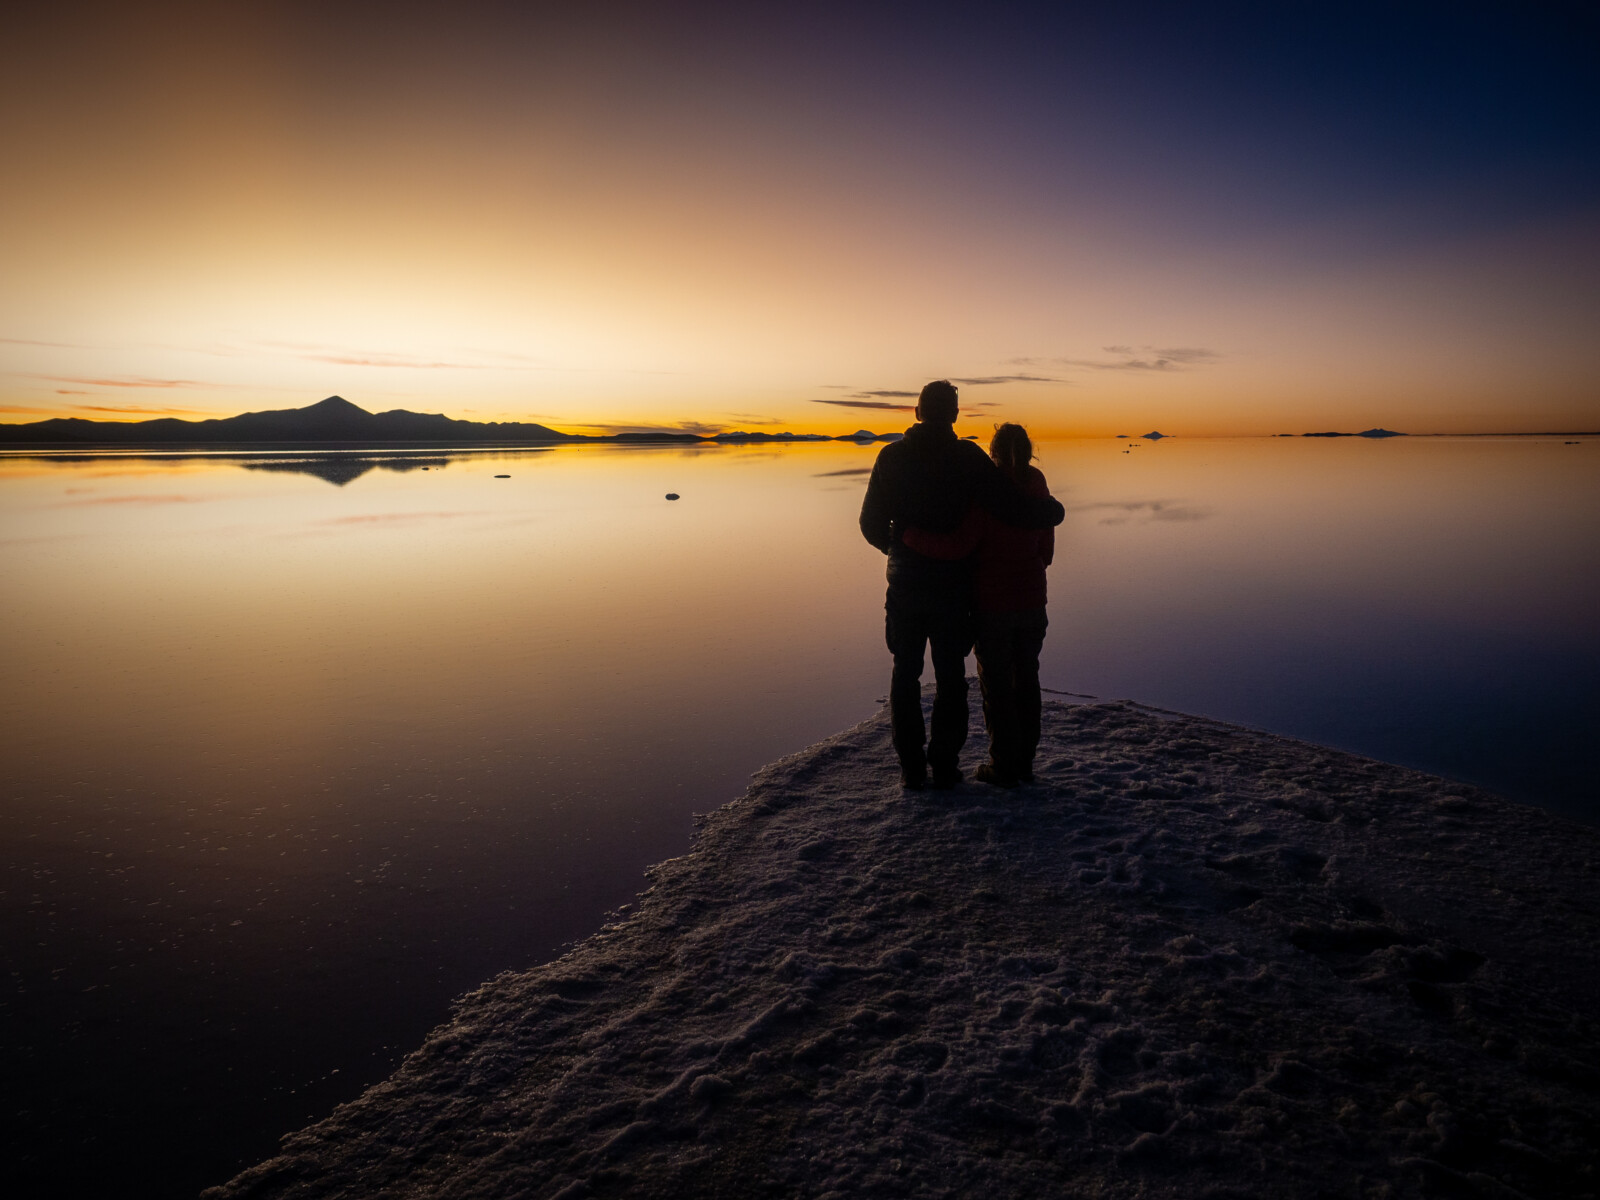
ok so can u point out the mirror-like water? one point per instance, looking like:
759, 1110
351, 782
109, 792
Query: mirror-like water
298, 746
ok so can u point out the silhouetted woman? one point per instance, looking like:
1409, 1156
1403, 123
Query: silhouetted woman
1010, 590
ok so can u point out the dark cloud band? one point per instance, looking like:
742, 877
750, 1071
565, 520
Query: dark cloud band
873, 403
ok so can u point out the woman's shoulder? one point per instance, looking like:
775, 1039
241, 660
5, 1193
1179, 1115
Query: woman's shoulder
1033, 482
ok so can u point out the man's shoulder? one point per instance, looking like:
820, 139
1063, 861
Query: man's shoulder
970, 457
892, 450
896, 452
970, 450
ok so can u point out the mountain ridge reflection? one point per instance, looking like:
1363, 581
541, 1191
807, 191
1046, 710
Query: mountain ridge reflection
342, 469
338, 467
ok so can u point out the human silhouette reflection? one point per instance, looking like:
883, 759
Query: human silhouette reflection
932, 480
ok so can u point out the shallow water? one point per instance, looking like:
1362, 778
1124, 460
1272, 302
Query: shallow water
299, 746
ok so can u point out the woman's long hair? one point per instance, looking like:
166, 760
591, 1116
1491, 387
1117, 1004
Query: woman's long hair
1011, 448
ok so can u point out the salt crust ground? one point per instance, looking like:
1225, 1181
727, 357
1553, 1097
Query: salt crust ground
1193, 960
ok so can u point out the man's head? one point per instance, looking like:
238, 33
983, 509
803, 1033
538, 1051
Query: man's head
937, 405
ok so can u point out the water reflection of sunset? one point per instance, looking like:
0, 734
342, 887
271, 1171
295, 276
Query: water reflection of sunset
294, 734
253, 599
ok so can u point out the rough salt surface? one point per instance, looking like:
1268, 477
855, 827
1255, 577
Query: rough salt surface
1193, 960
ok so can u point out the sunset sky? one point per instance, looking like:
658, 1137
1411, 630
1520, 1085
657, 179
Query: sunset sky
1207, 218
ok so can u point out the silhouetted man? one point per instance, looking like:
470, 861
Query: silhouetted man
930, 479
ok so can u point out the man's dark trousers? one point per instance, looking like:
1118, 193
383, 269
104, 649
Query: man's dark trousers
941, 620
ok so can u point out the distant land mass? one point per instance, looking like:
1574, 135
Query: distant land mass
1388, 433
337, 420
1367, 433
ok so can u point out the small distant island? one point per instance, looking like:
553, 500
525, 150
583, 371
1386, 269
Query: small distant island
338, 420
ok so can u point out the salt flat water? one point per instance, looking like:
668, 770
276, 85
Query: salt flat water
299, 745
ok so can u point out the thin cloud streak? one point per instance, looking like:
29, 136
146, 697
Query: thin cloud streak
347, 356
700, 428
754, 419
1145, 358
872, 403
895, 394
393, 360
1177, 354
132, 408
986, 380
130, 383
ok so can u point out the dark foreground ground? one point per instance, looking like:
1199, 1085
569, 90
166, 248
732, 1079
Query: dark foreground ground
1193, 960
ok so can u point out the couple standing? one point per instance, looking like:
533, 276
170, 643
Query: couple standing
968, 538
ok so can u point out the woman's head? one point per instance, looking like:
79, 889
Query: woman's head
1011, 448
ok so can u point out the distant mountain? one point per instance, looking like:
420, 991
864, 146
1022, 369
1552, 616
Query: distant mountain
740, 436
332, 420
337, 420
1155, 436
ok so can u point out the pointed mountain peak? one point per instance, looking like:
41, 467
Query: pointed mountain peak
335, 405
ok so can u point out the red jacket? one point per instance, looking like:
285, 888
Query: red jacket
1011, 561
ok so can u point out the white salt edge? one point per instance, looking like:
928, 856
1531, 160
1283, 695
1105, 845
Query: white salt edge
1191, 960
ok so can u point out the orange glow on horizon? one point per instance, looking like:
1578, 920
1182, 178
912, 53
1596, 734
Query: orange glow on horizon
589, 259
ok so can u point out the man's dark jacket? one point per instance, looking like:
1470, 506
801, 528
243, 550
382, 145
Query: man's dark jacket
930, 480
